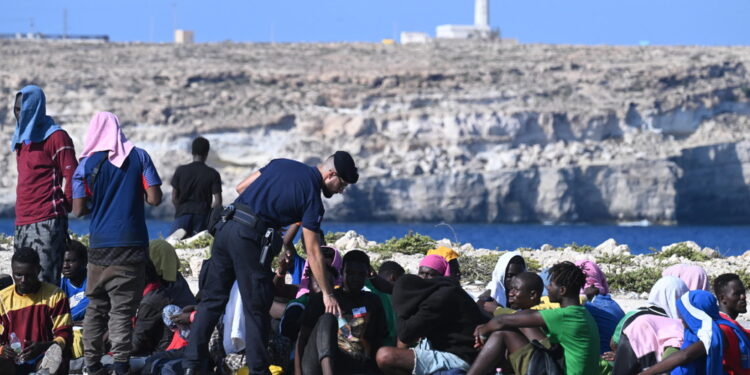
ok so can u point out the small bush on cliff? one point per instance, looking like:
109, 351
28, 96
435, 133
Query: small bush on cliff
579, 248
332, 237
410, 244
639, 281
681, 250
616, 260
478, 268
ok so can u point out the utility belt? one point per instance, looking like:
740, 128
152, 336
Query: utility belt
269, 237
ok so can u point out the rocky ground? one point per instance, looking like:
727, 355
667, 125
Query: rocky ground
485, 131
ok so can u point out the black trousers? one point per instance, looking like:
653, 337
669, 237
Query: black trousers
234, 255
323, 343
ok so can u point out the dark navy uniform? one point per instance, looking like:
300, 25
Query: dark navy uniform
286, 192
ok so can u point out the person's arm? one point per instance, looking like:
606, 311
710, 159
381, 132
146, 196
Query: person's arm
304, 334
526, 318
64, 157
315, 260
246, 182
146, 333
289, 236
80, 207
80, 191
695, 351
216, 201
153, 195
175, 196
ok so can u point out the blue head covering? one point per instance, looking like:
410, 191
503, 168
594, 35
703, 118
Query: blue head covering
33, 124
700, 312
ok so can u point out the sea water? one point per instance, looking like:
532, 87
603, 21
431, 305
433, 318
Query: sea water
728, 240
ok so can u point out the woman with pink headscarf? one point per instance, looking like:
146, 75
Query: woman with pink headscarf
606, 312
433, 266
694, 276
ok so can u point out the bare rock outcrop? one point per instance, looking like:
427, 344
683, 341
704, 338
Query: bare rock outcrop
481, 131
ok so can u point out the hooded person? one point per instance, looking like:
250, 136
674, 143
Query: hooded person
662, 301
606, 312
645, 342
46, 161
695, 277
510, 264
112, 182
422, 305
336, 261
703, 345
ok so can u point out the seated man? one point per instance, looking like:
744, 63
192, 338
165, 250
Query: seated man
73, 282
391, 271
36, 315
382, 285
346, 345
496, 295
730, 293
571, 326
437, 316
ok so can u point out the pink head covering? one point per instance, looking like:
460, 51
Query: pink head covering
594, 276
652, 334
437, 263
337, 262
104, 134
694, 276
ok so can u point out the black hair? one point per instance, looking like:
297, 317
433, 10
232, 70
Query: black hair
517, 260
75, 246
201, 146
568, 275
356, 256
533, 281
391, 268
327, 252
723, 280
26, 255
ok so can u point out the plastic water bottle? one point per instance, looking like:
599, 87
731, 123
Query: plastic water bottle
344, 327
15, 343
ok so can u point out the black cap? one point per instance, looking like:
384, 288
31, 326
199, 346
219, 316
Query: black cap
345, 167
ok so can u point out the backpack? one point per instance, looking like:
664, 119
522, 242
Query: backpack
546, 361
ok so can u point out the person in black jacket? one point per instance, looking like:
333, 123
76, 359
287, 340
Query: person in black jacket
439, 318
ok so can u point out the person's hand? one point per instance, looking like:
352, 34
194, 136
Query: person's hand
490, 306
182, 319
609, 356
332, 306
482, 332
33, 350
7, 353
285, 263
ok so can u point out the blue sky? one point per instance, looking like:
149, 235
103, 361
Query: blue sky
627, 22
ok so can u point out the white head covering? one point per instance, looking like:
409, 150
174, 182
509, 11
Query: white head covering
497, 285
665, 293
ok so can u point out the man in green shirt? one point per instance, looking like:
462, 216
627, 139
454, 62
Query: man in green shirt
571, 326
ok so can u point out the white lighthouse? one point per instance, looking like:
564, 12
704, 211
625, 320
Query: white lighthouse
482, 13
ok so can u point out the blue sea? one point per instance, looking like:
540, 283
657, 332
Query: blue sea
728, 240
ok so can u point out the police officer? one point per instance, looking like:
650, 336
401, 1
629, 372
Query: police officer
281, 193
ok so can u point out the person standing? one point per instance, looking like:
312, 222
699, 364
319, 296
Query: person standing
279, 194
111, 182
45, 157
196, 189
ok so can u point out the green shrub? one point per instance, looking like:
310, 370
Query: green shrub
579, 248
332, 237
616, 260
205, 241
639, 281
410, 244
478, 268
681, 250
533, 265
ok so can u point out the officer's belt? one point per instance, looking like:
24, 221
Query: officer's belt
243, 215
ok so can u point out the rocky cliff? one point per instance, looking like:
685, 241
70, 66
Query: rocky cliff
482, 132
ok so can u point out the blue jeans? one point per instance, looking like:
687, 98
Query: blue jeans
191, 223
